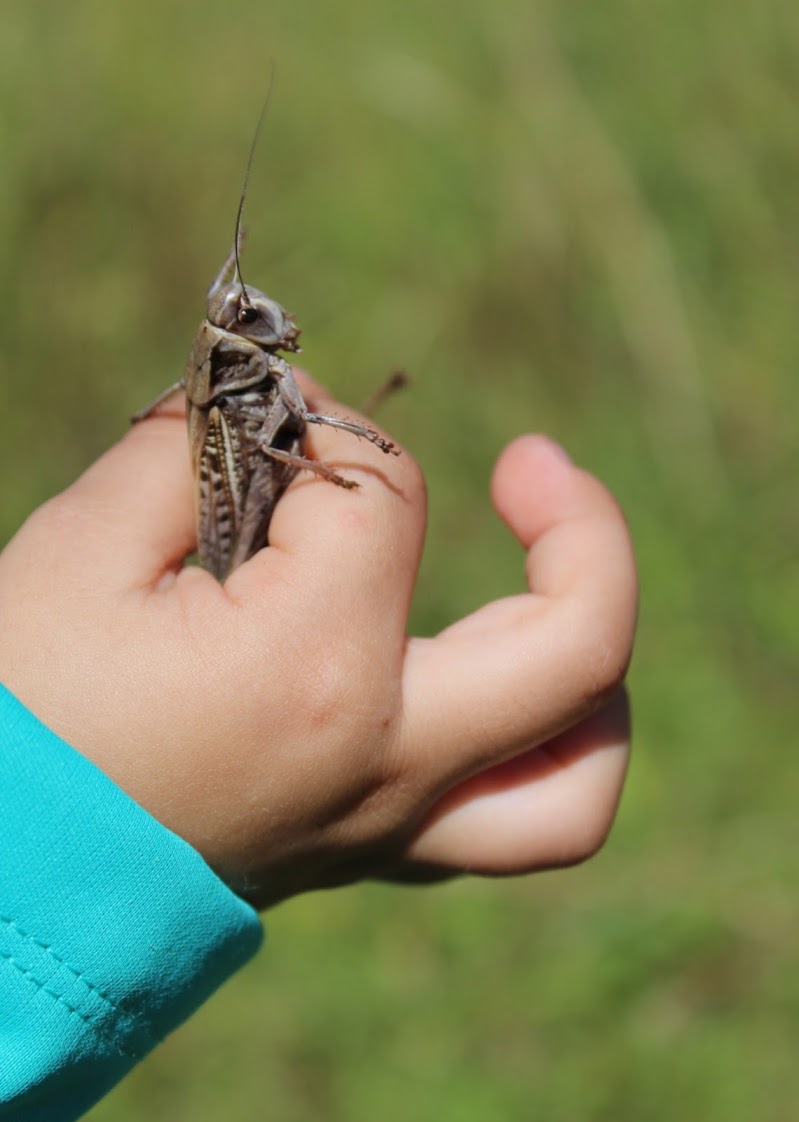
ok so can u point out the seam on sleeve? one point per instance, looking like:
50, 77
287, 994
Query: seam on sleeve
75, 976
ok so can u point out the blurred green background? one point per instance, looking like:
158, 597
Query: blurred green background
582, 218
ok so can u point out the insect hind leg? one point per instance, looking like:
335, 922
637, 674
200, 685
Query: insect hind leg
165, 395
292, 398
355, 428
304, 464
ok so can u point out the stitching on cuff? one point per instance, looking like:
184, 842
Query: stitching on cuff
76, 976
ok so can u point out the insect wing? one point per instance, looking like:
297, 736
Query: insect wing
219, 489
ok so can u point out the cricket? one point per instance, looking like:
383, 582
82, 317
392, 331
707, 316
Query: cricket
247, 420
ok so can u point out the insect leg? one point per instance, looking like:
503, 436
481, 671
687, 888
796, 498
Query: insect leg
143, 414
292, 399
301, 462
353, 427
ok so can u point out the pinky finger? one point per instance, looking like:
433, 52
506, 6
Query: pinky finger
549, 807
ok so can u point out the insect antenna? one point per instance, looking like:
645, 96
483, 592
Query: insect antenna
245, 297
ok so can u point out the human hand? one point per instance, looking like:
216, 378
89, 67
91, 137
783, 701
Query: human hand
284, 724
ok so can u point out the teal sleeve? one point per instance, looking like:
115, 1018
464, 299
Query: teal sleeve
112, 929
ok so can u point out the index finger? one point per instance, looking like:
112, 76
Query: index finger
129, 518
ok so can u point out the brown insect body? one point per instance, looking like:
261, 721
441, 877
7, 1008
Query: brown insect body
247, 421
235, 410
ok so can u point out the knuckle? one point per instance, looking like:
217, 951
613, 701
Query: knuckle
603, 655
608, 667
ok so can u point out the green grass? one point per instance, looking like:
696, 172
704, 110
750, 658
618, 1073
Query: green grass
582, 218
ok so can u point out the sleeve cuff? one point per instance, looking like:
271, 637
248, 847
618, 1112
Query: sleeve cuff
113, 930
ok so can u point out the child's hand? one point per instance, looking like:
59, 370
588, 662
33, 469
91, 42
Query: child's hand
285, 725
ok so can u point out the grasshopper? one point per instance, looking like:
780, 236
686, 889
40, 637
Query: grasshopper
247, 419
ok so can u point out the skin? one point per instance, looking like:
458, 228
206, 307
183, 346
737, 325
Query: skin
284, 724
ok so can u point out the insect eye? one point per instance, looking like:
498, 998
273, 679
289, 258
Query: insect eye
247, 314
